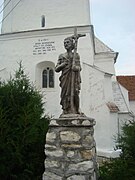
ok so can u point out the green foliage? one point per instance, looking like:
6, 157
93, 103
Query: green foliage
22, 129
122, 168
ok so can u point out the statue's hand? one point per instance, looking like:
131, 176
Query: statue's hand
65, 61
75, 68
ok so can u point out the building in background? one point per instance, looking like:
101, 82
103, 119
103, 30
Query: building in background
33, 32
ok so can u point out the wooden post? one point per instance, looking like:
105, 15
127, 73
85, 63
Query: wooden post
75, 37
73, 73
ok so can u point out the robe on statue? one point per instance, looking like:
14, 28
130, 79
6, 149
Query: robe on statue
65, 65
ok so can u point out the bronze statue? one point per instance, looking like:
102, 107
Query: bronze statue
69, 64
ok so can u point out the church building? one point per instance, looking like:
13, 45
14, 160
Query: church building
33, 32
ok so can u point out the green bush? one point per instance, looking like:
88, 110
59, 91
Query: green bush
22, 129
122, 168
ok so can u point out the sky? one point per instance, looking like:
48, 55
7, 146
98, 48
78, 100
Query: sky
114, 24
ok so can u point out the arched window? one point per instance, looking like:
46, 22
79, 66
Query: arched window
45, 75
48, 78
43, 21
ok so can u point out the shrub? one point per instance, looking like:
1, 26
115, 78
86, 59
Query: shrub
122, 168
22, 129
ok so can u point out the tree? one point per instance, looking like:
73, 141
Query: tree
23, 127
122, 168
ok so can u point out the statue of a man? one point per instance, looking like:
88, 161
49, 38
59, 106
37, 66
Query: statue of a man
69, 64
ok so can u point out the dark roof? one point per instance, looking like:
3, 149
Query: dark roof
112, 106
129, 83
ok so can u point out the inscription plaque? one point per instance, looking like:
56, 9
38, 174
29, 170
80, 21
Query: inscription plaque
43, 46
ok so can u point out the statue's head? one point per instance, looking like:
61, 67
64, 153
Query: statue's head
69, 43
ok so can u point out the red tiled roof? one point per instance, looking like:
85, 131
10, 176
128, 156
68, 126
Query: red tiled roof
129, 83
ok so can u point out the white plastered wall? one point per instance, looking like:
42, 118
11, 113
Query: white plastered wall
58, 13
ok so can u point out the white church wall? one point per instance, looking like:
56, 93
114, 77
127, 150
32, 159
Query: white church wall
124, 92
93, 93
102, 129
105, 62
132, 106
120, 97
94, 99
111, 131
60, 13
108, 88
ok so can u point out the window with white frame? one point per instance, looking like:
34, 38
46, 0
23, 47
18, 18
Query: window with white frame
45, 75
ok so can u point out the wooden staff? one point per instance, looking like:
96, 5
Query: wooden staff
75, 37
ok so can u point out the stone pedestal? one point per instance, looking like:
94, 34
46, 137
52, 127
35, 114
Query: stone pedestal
70, 149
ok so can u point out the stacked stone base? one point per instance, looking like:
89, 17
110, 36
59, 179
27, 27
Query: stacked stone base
70, 149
